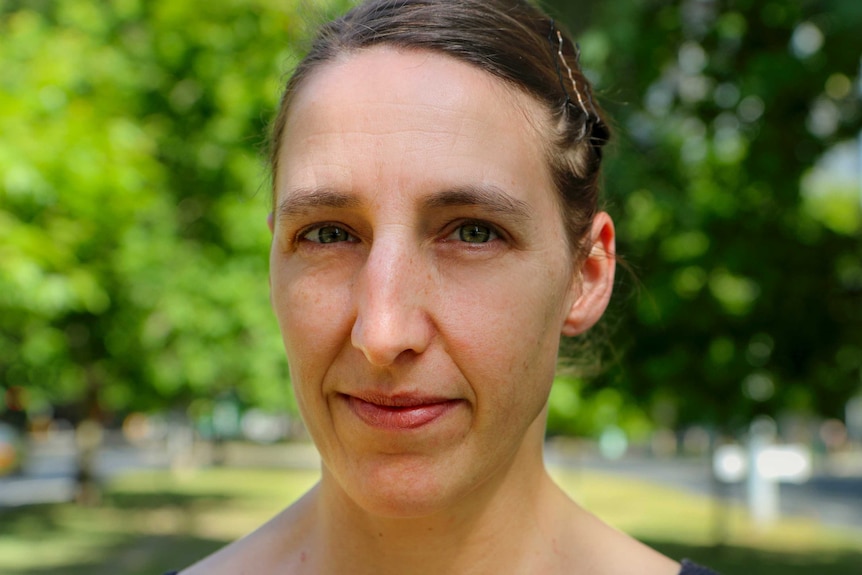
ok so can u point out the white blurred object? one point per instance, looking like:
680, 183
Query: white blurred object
613, 442
264, 427
770, 464
762, 466
730, 464
788, 463
853, 410
762, 490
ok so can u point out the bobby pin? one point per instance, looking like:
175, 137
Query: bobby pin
571, 76
590, 115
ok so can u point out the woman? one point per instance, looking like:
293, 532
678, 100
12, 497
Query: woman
435, 232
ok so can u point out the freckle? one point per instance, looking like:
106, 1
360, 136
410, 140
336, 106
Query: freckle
380, 534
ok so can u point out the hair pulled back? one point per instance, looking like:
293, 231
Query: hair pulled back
510, 39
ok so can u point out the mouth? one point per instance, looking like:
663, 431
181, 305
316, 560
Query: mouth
399, 412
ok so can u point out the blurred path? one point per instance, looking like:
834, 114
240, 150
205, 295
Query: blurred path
832, 496
49, 470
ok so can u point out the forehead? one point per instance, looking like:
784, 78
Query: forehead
390, 75
380, 108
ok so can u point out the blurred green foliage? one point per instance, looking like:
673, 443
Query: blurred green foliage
738, 204
133, 196
133, 200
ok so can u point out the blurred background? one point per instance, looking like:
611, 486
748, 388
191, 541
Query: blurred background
146, 416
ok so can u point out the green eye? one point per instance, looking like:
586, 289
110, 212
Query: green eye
475, 233
328, 235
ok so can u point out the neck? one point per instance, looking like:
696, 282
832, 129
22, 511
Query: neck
489, 531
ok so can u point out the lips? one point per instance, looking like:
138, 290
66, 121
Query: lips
399, 412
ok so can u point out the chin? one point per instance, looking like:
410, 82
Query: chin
406, 489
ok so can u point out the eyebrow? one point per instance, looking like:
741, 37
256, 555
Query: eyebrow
486, 196
299, 201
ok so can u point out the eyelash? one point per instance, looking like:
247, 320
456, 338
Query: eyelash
450, 236
493, 231
301, 236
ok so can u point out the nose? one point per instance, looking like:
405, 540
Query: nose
392, 319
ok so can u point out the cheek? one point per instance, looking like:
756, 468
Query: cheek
313, 315
508, 335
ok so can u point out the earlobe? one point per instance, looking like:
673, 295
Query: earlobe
594, 281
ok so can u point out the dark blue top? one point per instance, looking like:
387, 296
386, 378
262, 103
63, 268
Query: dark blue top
689, 568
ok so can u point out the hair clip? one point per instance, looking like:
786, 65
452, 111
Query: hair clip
591, 115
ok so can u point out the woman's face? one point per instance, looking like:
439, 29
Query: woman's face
420, 275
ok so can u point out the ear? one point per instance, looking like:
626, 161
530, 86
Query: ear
594, 279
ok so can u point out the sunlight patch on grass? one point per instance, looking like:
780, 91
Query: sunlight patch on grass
653, 512
69, 535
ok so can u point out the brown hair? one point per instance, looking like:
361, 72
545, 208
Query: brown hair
510, 39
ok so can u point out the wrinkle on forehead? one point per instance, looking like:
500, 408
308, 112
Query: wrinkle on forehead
335, 105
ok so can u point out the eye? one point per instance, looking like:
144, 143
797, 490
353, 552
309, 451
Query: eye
475, 233
327, 234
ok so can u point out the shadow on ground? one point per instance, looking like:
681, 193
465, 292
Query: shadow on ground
164, 499
149, 555
112, 535
50, 518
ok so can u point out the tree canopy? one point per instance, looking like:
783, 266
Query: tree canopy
746, 258
133, 198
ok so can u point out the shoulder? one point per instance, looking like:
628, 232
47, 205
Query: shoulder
598, 548
272, 547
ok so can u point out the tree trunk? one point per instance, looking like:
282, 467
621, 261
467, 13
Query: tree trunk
88, 440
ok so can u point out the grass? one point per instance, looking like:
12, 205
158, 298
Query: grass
154, 521
150, 522
684, 525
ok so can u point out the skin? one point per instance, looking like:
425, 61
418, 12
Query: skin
419, 269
